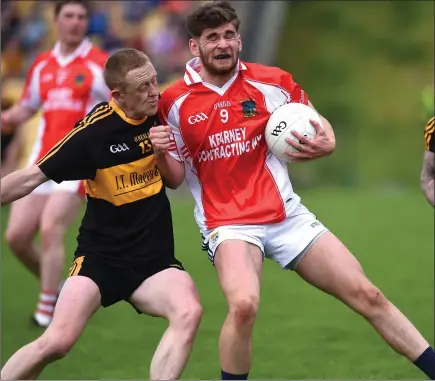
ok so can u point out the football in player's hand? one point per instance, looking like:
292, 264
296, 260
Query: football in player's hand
287, 118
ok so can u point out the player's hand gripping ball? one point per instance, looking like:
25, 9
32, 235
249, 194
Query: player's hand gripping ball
287, 118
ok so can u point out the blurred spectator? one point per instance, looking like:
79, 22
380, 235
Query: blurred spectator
135, 10
154, 26
32, 34
98, 20
10, 23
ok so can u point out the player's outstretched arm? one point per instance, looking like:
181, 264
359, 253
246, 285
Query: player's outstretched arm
427, 177
171, 170
20, 183
17, 114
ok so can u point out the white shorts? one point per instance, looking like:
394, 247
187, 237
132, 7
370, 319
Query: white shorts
51, 186
285, 242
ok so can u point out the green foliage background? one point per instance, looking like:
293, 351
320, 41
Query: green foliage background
364, 65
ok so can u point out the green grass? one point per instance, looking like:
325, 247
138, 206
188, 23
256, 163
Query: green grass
300, 334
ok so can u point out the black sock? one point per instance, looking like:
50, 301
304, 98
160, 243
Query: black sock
229, 376
426, 363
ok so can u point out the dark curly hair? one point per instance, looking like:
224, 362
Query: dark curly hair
211, 15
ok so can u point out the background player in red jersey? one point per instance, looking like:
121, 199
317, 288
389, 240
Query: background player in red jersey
427, 177
66, 83
245, 204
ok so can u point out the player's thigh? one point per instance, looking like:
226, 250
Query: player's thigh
331, 267
239, 267
60, 210
168, 294
79, 299
24, 217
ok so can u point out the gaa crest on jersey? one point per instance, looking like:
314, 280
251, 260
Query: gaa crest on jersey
79, 79
249, 108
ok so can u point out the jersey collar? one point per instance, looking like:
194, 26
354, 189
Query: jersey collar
121, 113
191, 75
81, 51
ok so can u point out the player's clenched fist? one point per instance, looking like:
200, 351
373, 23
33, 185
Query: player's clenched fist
160, 139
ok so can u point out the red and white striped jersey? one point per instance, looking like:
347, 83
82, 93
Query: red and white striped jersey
218, 132
66, 88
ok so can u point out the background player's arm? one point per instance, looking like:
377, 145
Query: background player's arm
427, 177
20, 183
30, 101
17, 114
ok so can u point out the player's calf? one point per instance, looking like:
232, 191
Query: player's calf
59, 212
30, 360
330, 266
391, 324
22, 227
185, 321
174, 349
78, 301
171, 294
23, 248
238, 264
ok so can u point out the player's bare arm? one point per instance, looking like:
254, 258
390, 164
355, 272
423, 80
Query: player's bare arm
428, 176
17, 114
322, 145
20, 183
171, 170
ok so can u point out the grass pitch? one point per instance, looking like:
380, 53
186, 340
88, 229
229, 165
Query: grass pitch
301, 333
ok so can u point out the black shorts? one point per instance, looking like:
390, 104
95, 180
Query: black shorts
6, 139
118, 280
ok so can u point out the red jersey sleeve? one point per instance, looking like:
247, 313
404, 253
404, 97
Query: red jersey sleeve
297, 94
96, 61
30, 98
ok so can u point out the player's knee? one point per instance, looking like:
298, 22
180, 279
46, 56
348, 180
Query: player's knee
55, 345
17, 241
369, 301
188, 316
244, 309
51, 233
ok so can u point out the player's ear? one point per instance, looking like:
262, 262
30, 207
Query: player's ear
117, 95
194, 47
240, 43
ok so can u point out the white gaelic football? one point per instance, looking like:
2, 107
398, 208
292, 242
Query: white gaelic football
291, 116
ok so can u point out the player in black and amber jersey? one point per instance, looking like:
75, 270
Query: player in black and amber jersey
125, 245
427, 177
128, 213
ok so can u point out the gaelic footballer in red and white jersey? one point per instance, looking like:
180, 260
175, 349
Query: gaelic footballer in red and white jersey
218, 132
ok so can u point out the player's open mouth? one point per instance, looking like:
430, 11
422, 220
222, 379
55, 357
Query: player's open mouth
222, 56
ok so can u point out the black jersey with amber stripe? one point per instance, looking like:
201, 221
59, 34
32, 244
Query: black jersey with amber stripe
128, 213
429, 140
